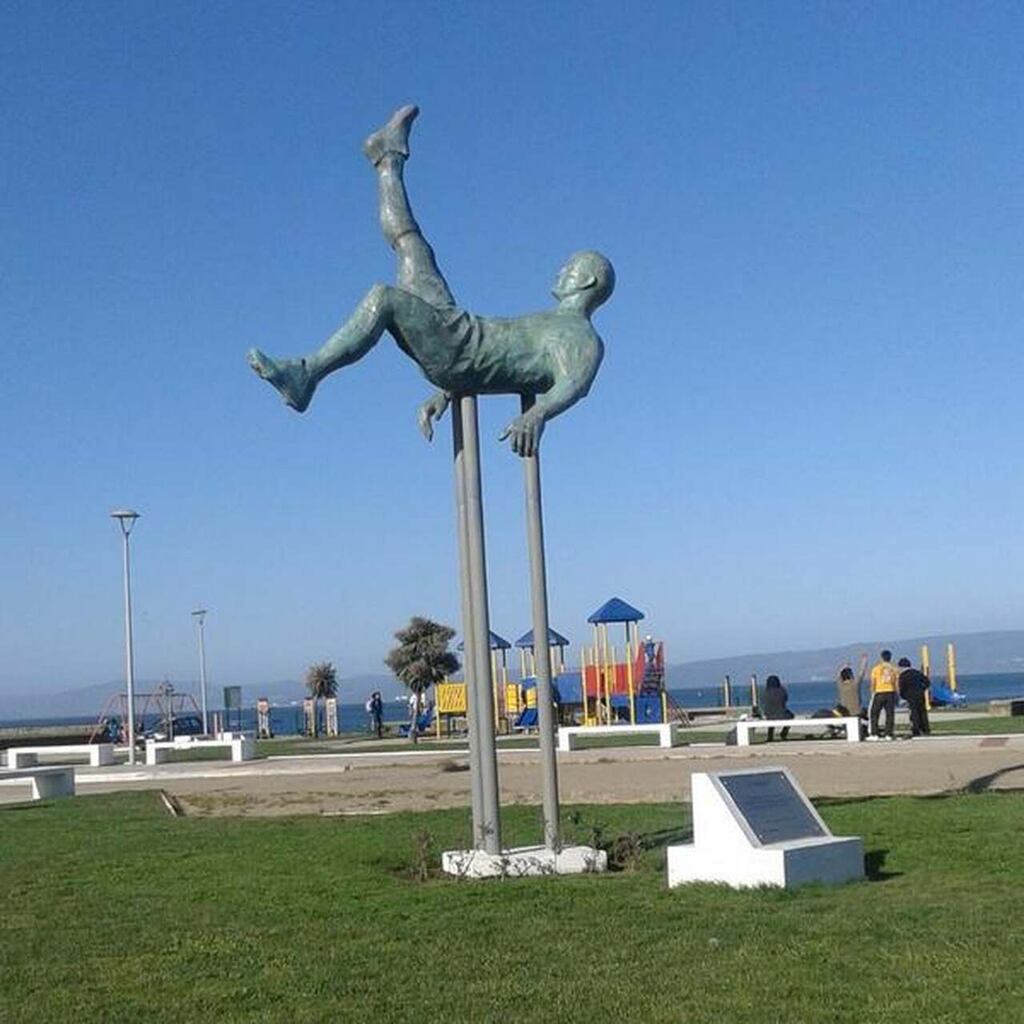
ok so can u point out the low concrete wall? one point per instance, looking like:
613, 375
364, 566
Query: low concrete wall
1006, 708
40, 735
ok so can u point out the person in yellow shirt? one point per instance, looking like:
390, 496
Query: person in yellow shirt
884, 686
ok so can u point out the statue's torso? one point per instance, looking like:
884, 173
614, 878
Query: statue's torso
517, 355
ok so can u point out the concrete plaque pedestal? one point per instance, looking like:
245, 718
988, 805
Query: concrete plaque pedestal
524, 861
758, 828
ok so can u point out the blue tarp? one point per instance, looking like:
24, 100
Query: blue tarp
616, 610
944, 695
555, 639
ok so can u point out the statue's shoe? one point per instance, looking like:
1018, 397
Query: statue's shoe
290, 377
393, 137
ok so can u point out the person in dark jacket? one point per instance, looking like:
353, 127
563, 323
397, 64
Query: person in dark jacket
913, 684
773, 705
377, 713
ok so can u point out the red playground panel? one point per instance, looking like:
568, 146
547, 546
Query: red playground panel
618, 680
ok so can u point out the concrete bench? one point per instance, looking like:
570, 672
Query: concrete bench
569, 734
188, 740
747, 725
242, 748
1011, 706
47, 782
98, 754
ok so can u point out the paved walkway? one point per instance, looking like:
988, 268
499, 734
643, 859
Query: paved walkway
403, 779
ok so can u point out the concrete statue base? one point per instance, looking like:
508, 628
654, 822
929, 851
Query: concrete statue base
524, 862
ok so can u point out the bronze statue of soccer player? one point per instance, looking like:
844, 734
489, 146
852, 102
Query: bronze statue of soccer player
549, 357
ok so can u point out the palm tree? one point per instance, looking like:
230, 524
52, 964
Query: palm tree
322, 682
421, 659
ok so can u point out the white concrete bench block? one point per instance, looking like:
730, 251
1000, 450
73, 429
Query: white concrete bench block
242, 748
156, 752
99, 754
47, 782
748, 725
569, 734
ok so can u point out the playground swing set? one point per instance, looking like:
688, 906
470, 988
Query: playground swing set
166, 709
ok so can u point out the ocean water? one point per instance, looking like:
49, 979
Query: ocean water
285, 720
803, 697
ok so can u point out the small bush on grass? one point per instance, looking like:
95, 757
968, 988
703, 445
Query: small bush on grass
424, 864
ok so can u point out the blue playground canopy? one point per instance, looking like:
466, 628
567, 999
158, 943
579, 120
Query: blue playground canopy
498, 643
555, 639
615, 610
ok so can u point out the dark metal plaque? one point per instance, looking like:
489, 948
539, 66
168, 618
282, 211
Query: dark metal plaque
771, 806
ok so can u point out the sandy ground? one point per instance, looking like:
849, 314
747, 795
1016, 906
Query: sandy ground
417, 780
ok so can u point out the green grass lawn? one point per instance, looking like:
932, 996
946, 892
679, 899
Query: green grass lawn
111, 910
989, 726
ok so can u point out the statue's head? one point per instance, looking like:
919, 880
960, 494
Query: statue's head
587, 275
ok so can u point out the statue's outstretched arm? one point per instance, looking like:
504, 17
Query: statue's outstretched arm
432, 409
572, 382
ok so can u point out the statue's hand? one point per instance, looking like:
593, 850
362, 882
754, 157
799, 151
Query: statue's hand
432, 409
525, 432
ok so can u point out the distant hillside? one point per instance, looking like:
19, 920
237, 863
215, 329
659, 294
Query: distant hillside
353, 689
976, 653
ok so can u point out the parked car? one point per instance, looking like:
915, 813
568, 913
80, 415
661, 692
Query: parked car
184, 725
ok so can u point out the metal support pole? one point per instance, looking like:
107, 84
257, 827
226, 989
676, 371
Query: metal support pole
200, 617
926, 668
481, 626
541, 648
129, 651
468, 633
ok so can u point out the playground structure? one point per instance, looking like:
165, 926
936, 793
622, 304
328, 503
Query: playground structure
450, 707
632, 690
603, 691
521, 698
165, 704
939, 694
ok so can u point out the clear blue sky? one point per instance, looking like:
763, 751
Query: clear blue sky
807, 426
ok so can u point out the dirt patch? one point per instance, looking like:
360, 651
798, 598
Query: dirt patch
330, 785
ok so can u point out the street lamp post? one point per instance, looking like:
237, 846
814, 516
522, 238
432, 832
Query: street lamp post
126, 519
200, 616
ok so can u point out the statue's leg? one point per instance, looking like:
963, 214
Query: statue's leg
417, 271
297, 379
419, 328
414, 313
387, 149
